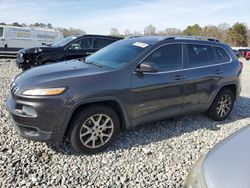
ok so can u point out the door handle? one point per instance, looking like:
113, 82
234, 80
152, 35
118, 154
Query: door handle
89, 53
218, 71
179, 77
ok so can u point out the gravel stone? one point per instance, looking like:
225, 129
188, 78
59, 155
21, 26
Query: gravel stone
158, 154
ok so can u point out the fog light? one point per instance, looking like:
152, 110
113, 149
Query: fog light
28, 110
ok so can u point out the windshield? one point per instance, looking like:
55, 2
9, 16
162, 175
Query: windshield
1, 31
117, 54
64, 41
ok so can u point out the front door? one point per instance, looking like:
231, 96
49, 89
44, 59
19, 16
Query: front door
79, 49
159, 95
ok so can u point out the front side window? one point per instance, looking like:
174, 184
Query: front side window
81, 44
222, 55
167, 58
1, 31
200, 55
64, 41
100, 43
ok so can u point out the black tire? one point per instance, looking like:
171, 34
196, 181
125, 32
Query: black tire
213, 111
81, 121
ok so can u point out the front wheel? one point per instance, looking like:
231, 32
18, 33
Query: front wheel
94, 129
222, 105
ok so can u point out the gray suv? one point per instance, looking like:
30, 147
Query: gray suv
127, 83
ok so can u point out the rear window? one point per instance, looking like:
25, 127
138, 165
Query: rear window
200, 55
1, 31
100, 43
222, 55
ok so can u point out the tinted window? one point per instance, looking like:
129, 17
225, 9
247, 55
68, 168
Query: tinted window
1, 31
116, 55
168, 57
200, 55
64, 41
81, 44
100, 43
222, 55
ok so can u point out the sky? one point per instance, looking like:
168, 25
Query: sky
98, 16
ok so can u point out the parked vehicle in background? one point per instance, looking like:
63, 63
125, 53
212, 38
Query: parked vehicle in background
130, 82
237, 53
247, 55
225, 165
72, 47
243, 51
15, 38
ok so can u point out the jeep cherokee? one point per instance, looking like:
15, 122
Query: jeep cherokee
127, 83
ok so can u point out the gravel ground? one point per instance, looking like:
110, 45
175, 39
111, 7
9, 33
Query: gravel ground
154, 155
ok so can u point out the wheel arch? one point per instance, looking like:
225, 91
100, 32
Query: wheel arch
112, 102
230, 85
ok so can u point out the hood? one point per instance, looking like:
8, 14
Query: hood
36, 50
228, 163
56, 74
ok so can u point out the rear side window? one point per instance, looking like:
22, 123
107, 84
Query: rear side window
1, 31
200, 55
100, 43
222, 55
167, 58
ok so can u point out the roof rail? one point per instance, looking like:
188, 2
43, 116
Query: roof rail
134, 36
193, 38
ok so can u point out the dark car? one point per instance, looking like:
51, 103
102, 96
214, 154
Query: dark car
243, 51
72, 47
237, 53
225, 165
125, 84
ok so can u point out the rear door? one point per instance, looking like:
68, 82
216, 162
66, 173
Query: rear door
203, 71
79, 48
101, 42
159, 95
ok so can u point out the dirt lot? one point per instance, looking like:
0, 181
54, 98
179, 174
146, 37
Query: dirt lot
154, 155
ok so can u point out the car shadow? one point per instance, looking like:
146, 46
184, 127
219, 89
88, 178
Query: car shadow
165, 129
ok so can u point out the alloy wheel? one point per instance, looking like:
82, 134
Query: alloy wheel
224, 106
96, 131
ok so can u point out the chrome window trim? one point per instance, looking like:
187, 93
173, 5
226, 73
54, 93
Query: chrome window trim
183, 69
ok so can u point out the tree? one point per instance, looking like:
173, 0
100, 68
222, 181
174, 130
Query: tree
172, 31
211, 31
114, 32
193, 30
127, 33
49, 25
16, 24
71, 31
149, 30
2, 23
223, 26
238, 34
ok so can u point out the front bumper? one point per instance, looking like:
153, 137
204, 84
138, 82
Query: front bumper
45, 118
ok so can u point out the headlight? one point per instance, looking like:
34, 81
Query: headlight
195, 178
44, 91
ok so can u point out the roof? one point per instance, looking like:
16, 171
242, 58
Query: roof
93, 35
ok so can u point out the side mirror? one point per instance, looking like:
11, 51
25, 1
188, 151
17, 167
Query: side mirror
147, 67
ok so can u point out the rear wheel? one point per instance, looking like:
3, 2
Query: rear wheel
94, 129
222, 105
